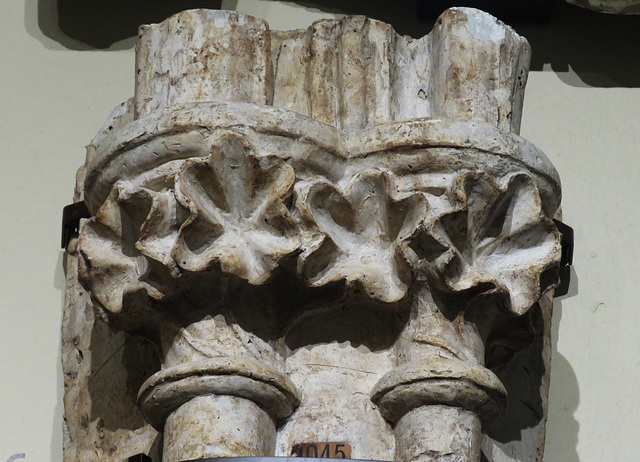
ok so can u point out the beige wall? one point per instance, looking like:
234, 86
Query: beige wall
53, 100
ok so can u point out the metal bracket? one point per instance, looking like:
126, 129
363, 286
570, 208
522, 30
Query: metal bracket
566, 259
71, 216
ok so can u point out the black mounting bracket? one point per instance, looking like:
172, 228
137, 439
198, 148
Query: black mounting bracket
71, 216
566, 259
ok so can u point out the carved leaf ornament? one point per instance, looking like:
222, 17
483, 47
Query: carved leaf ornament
237, 212
125, 246
230, 210
497, 238
366, 235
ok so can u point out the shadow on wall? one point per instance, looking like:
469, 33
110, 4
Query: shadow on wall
99, 24
564, 397
599, 48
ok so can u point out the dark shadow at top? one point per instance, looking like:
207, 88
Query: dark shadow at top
599, 48
88, 24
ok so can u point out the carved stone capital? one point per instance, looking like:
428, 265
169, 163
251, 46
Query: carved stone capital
322, 231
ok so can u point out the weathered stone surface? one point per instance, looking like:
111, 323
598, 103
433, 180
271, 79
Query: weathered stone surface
218, 426
332, 234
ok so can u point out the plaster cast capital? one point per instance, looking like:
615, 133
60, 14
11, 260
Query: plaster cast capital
322, 235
